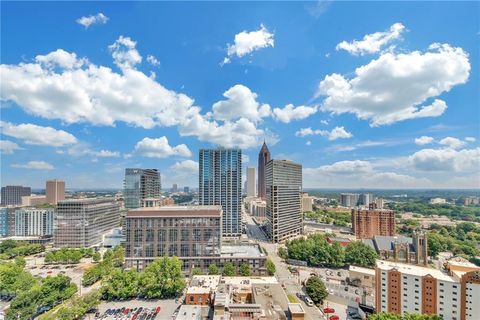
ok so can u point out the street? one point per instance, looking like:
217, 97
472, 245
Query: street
291, 283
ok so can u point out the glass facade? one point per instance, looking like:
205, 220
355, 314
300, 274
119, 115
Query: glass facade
220, 180
3, 222
140, 184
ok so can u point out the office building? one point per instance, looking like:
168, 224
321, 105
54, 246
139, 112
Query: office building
283, 180
251, 182
12, 195
438, 201
307, 203
400, 248
32, 201
256, 207
34, 222
55, 191
468, 201
220, 183
140, 184
263, 158
174, 188
350, 200
192, 233
452, 294
367, 223
3, 222
83, 222
186, 189
174, 231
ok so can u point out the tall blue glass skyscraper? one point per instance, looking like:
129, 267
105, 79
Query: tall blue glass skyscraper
220, 183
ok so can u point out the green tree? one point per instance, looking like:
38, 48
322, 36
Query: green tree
196, 271
270, 267
120, 285
360, 254
162, 278
384, 316
316, 289
213, 269
229, 270
245, 270
282, 253
96, 257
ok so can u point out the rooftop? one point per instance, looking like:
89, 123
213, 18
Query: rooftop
241, 251
203, 284
295, 308
273, 300
362, 270
414, 270
238, 281
176, 211
192, 312
87, 200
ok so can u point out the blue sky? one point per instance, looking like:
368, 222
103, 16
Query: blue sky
364, 94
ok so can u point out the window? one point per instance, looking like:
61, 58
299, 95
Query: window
173, 235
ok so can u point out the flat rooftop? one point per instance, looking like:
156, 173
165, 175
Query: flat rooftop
241, 251
238, 281
273, 300
203, 284
88, 200
362, 270
295, 308
414, 270
176, 212
192, 312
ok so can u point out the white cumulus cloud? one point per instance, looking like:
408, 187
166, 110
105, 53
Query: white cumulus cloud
447, 160
358, 174
37, 165
8, 147
62, 86
99, 18
334, 134
124, 53
423, 140
291, 112
452, 142
247, 42
187, 167
160, 148
152, 60
37, 135
241, 103
396, 87
372, 43
470, 139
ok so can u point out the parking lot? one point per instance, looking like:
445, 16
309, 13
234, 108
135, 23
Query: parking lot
37, 267
136, 309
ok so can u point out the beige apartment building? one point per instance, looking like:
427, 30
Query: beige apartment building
453, 293
367, 223
55, 191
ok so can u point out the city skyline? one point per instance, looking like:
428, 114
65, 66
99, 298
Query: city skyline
299, 83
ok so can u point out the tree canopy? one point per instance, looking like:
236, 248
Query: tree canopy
316, 289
